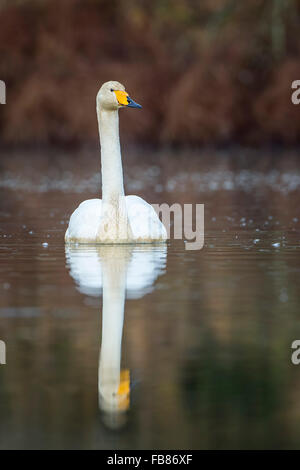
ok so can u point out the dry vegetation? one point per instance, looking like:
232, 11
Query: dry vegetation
206, 72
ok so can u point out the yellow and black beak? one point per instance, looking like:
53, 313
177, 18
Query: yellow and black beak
132, 104
125, 100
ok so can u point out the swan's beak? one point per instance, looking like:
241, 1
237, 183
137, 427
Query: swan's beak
125, 100
132, 104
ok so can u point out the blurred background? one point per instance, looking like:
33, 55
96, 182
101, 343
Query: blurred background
208, 344
206, 72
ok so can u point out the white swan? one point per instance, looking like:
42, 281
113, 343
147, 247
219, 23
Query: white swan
117, 218
116, 272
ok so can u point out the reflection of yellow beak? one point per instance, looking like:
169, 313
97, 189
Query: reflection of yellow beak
124, 390
121, 97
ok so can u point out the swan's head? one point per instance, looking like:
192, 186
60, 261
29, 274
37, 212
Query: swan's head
112, 96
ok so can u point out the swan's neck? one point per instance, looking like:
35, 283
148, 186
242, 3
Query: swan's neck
111, 162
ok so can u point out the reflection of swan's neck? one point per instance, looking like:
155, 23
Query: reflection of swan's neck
114, 284
111, 162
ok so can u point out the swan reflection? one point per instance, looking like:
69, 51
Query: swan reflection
115, 272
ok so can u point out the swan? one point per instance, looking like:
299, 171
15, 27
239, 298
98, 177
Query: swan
116, 218
116, 273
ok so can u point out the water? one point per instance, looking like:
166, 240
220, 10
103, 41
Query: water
198, 355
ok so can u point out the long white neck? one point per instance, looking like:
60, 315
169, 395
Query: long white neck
111, 161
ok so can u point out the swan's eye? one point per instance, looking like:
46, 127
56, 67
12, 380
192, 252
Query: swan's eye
111, 89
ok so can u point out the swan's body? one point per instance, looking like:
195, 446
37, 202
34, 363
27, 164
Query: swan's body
86, 223
116, 218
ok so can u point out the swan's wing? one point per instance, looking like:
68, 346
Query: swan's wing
144, 221
85, 220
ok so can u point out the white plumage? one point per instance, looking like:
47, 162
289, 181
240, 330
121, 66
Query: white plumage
85, 222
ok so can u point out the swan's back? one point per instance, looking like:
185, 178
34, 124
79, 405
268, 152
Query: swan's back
145, 225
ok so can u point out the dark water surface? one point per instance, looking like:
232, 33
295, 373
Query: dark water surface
205, 359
